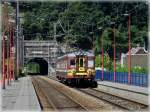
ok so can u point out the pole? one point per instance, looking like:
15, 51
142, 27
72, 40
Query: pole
10, 65
93, 45
12, 53
114, 54
20, 46
93, 42
8, 56
102, 59
129, 44
54, 31
54, 61
17, 36
5, 17
3, 62
22, 49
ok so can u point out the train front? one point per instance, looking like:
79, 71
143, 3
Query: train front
84, 68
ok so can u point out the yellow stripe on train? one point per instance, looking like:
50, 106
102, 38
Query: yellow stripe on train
81, 73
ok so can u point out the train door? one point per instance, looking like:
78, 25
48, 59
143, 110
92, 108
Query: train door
81, 63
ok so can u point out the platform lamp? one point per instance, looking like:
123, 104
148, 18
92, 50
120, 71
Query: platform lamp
129, 46
102, 54
114, 45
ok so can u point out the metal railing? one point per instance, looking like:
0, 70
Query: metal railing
137, 79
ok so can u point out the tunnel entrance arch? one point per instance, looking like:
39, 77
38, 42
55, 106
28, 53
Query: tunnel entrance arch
43, 65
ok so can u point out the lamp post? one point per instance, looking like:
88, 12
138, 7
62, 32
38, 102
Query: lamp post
102, 55
129, 47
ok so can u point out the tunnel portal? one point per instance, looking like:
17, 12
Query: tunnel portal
43, 66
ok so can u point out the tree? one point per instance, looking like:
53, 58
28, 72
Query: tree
81, 18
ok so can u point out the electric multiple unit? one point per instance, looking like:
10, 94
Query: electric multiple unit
76, 67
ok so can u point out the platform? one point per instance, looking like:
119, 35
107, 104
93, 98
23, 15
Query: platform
20, 95
135, 93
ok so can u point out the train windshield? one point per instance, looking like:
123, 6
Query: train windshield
90, 63
81, 62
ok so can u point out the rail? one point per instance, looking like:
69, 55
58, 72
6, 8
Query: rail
115, 100
56, 100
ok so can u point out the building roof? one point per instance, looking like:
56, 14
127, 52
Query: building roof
87, 53
74, 54
137, 50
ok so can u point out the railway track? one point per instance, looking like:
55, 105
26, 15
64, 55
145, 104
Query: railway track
115, 100
123, 89
52, 99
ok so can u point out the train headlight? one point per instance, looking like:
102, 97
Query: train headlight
73, 71
89, 71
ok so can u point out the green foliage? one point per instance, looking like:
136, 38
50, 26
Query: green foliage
108, 64
81, 18
138, 69
97, 47
97, 61
121, 69
135, 69
33, 67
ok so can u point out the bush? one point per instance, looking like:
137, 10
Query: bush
21, 74
108, 64
136, 69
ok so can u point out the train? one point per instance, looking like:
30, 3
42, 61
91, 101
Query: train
76, 67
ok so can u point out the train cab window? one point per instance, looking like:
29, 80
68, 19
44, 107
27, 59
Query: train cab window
81, 62
72, 63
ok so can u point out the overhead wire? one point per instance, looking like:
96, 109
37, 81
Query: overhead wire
103, 21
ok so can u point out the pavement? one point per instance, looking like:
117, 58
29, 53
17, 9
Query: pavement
134, 93
20, 96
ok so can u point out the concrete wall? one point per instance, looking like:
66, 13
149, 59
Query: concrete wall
41, 49
137, 60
